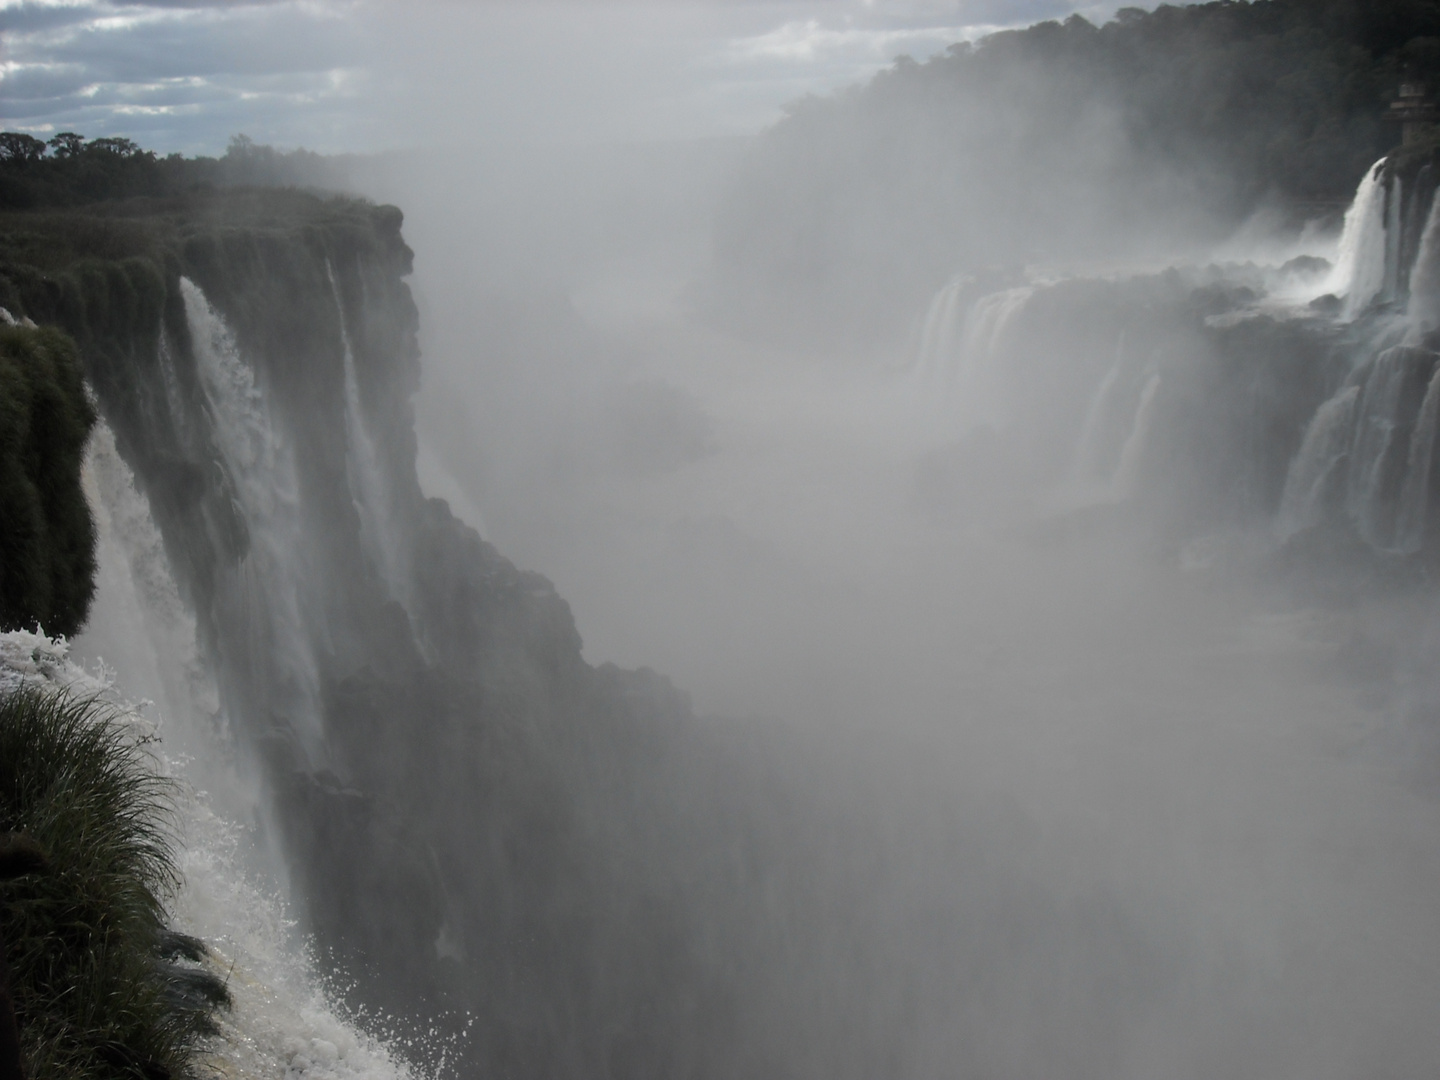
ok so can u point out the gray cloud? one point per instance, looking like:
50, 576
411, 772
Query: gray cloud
381, 73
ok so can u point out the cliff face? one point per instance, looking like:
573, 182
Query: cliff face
434, 745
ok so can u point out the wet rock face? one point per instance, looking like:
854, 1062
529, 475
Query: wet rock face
419, 706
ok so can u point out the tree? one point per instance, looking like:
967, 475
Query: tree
18, 147
67, 144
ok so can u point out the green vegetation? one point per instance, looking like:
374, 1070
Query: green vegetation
68, 170
47, 539
101, 989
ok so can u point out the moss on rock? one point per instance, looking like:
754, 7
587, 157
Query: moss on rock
47, 537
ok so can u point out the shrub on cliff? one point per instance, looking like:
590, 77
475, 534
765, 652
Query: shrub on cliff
99, 985
47, 538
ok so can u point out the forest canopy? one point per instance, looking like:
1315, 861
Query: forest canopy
69, 170
1160, 130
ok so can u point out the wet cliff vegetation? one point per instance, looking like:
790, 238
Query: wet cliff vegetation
1063, 141
47, 540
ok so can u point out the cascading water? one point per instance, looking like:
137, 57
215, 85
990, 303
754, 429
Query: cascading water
368, 488
1415, 494
1311, 482
1089, 465
1423, 310
1127, 473
266, 588
284, 1024
961, 366
1359, 273
937, 338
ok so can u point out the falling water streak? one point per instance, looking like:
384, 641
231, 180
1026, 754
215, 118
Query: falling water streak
1088, 466
262, 471
1394, 233
174, 400
937, 337
1313, 472
1415, 494
137, 599
368, 489
1127, 473
1423, 310
974, 380
1374, 434
1359, 272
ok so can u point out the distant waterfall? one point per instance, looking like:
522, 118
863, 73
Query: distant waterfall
1359, 274
938, 336
1312, 479
1132, 456
961, 361
1377, 448
261, 467
1423, 311
1415, 495
1367, 452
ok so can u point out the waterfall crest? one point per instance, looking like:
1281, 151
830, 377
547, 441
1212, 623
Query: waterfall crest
1360, 265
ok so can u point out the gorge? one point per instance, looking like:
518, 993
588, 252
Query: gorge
1052, 656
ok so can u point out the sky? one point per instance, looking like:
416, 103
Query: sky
370, 75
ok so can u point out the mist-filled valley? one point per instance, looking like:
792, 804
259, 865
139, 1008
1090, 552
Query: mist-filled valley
940, 588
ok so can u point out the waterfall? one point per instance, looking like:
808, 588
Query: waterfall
1415, 494
1375, 445
937, 338
369, 490
142, 637
266, 590
962, 374
1088, 467
1127, 473
1359, 274
284, 1024
1312, 478
1423, 311
138, 622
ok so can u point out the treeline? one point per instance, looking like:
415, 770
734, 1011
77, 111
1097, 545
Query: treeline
69, 170
1062, 142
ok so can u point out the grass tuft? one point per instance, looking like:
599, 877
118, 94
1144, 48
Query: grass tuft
102, 989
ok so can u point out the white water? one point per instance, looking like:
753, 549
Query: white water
262, 469
1415, 495
1325, 446
1359, 274
961, 365
285, 1024
1376, 422
1423, 311
369, 490
1132, 457
1089, 462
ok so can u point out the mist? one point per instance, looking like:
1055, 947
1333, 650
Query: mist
1096, 797
1029, 739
